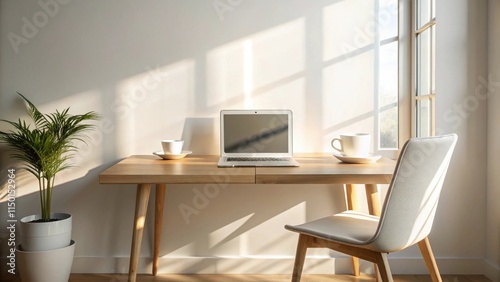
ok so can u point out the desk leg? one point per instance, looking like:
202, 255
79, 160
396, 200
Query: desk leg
159, 204
141, 207
352, 204
373, 199
352, 197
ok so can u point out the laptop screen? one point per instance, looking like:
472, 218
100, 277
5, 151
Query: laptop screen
256, 132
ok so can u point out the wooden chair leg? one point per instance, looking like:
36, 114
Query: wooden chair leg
430, 261
384, 272
300, 257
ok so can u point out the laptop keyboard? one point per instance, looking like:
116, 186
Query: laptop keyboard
256, 159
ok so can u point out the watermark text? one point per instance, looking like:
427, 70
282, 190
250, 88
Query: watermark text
11, 221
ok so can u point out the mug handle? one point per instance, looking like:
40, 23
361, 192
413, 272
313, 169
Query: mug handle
333, 144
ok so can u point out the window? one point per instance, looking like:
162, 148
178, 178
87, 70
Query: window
388, 45
424, 90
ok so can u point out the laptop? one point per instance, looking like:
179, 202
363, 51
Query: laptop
256, 138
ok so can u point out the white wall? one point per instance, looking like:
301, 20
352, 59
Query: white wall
493, 192
461, 65
164, 69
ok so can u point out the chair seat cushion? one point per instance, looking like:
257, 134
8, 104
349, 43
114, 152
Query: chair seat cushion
348, 227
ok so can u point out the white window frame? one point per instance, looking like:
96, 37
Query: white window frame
405, 71
431, 97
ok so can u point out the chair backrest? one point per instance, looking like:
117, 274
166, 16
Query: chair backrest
412, 198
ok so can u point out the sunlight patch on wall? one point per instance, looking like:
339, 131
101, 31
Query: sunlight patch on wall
279, 53
218, 237
148, 107
348, 89
184, 250
78, 103
261, 243
291, 93
226, 73
240, 70
348, 97
349, 73
344, 33
248, 72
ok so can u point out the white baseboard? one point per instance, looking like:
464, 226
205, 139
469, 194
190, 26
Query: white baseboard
278, 265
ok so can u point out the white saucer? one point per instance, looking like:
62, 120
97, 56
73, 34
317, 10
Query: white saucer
172, 156
358, 160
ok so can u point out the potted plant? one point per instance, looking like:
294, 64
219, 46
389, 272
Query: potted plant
45, 148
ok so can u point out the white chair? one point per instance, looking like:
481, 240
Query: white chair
406, 217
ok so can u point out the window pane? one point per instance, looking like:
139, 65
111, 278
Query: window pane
388, 96
389, 128
388, 74
388, 19
423, 11
423, 118
423, 61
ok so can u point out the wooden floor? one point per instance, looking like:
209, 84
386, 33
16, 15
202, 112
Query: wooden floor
258, 278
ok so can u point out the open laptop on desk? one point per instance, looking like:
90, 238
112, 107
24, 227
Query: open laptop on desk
256, 138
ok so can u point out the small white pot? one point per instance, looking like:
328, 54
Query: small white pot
45, 236
45, 266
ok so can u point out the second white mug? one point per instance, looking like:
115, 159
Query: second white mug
353, 144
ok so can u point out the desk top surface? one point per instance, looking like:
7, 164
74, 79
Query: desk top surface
315, 168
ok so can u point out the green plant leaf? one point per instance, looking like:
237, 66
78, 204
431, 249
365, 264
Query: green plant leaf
46, 149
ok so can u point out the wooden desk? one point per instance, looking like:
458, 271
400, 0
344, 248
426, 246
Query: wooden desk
315, 169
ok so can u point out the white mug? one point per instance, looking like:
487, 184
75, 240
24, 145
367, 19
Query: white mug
353, 144
173, 147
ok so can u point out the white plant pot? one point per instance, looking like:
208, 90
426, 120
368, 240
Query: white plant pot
45, 236
45, 266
